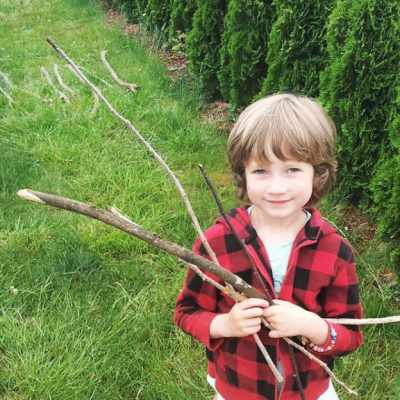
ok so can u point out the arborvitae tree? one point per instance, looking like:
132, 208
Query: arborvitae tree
204, 43
182, 13
359, 88
244, 49
158, 13
296, 49
385, 187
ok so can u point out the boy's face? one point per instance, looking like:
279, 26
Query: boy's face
279, 189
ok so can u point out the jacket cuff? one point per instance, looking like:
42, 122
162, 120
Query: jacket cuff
202, 329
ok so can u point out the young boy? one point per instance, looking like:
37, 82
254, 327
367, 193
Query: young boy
281, 157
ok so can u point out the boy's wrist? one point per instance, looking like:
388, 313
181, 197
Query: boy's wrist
217, 327
317, 329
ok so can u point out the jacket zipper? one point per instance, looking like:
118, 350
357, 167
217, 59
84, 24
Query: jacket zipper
267, 278
291, 261
261, 270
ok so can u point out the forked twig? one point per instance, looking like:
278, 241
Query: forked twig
62, 95
131, 86
61, 81
149, 237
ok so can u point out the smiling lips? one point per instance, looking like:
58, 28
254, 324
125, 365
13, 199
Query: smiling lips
278, 202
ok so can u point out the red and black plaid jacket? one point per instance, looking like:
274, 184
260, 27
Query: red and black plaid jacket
320, 277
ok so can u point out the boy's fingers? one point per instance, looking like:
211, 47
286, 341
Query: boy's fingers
251, 303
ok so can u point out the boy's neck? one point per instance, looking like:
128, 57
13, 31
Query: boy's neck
275, 231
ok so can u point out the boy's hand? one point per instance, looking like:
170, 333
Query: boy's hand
289, 320
243, 319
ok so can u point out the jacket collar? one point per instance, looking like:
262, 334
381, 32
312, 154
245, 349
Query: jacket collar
314, 229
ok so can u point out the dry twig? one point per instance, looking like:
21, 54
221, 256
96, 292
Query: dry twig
61, 82
131, 86
62, 95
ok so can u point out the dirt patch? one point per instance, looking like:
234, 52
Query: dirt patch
219, 112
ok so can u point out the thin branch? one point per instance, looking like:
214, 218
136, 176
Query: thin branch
131, 86
255, 272
96, 104
145, 143
62, 95
364, 321
61, 82
234, 233
323, 365
8, 97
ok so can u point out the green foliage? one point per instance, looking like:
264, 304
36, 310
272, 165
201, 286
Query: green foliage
182, 16
244, 48
204, 43
157, 14
359, 88
296, 49
385, 187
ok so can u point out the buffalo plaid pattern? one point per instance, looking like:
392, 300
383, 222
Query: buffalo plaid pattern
320, 277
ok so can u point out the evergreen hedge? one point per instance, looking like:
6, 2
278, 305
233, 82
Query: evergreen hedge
231, 52
204, 43
360, 86
182, 13
244, 49
385, 187
297, 50
157, 14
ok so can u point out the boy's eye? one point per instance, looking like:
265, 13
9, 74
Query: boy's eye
292, 170
260, 171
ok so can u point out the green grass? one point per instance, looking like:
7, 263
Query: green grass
93, 315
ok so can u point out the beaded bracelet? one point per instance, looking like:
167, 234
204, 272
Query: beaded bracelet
321, 349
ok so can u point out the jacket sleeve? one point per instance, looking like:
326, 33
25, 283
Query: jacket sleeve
197, 305
342, 300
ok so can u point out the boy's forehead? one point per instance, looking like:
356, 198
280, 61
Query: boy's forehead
268, 152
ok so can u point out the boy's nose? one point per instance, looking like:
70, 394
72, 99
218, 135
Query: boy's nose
276, 186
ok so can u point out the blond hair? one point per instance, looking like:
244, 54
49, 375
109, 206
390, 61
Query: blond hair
294, 128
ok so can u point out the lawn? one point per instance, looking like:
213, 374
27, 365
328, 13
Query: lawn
92, 313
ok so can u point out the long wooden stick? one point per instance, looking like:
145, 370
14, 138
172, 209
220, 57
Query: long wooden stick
144, 142
149, 237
